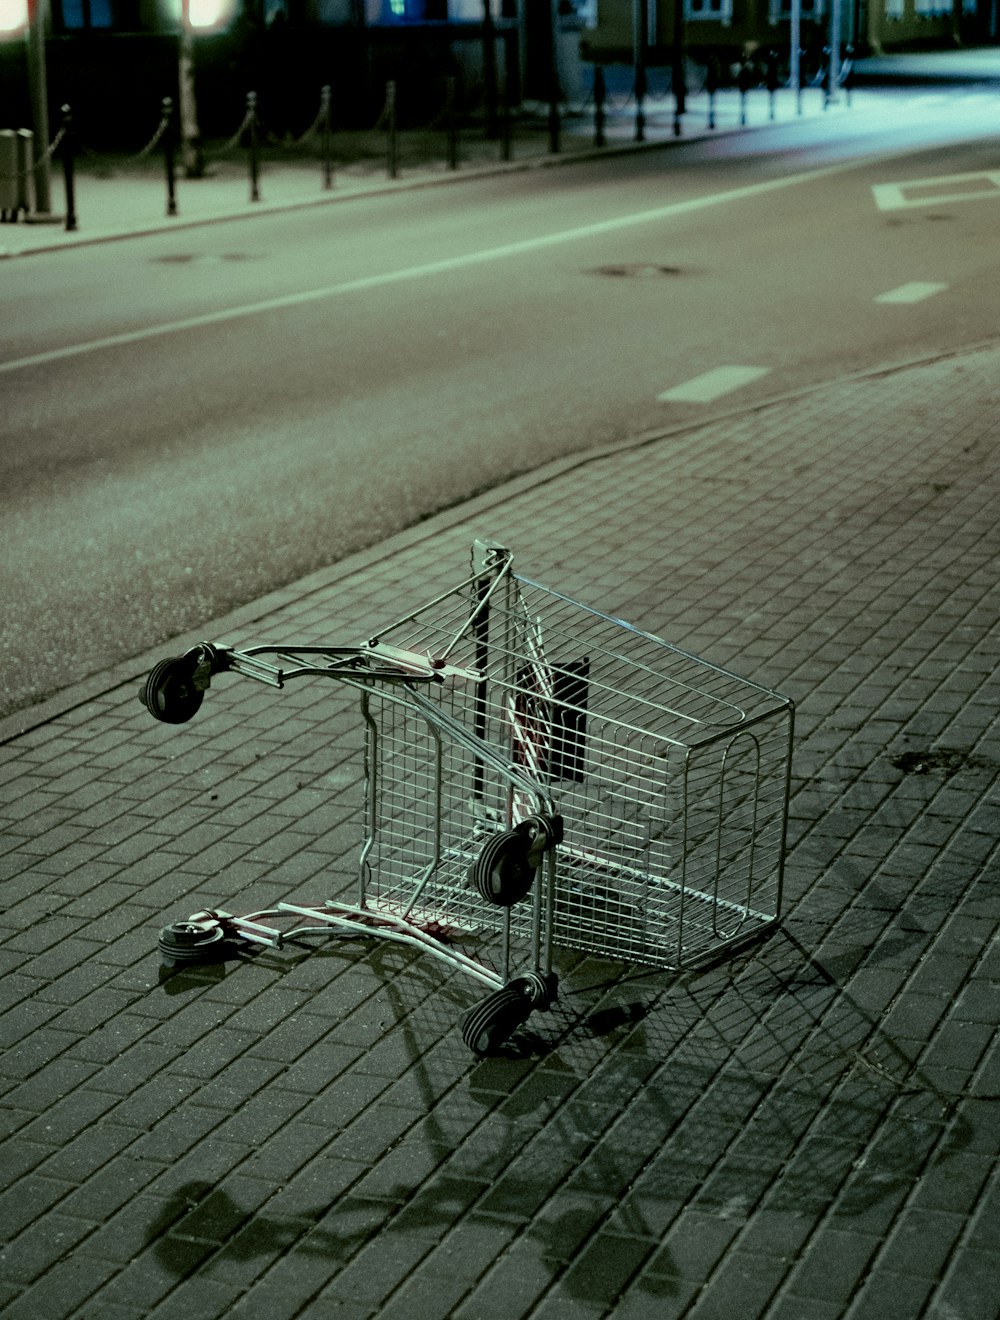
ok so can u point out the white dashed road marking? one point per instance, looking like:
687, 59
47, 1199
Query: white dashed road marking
917, 291
943, 190
711, 385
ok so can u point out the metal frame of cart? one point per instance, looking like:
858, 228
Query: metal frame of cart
538, 774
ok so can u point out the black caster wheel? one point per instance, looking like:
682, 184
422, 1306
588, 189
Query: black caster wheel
169, 693
190, 941
502, 873
539, 990
490, 1023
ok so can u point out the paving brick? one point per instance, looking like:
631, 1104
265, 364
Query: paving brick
375, 1272
512, 1286
41, 1246
109, 1188
603, 1267
207, 1301
833, 1265
178, 1132
62, 1291
969, 1288
426, 1293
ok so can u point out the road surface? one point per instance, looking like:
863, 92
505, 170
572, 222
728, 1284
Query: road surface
193, 419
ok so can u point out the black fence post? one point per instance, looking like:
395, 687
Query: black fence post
555, 124
168, 154
712, 86
252, 145
772, 80
797, 80
391, 145
678, 85
451, 127
66, 149
640, 97
744, 81
505, 129
600, 96
847, 78
324, 114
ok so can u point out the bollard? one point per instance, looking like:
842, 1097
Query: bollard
391, 145
555, 124
451, 128
324, 115
712, 86
772, 80
67, 160
251, 123
797, 78
678, 84
168, 154
600, 95
505, 133
744, 80
640, 97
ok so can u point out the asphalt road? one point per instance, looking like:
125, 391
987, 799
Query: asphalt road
194, 419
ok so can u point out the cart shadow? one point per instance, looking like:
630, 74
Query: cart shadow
759, 1087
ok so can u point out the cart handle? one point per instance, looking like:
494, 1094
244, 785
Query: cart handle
375, 660
175, 688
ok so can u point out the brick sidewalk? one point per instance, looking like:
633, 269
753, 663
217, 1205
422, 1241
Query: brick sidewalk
808, 1132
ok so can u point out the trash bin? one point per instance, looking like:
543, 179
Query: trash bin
17, 182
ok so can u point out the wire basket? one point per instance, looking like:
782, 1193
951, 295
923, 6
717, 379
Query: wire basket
538, 775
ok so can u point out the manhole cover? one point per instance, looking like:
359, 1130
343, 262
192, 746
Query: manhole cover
185, 258
636, 270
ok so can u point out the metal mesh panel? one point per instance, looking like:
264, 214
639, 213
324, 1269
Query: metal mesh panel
670, 774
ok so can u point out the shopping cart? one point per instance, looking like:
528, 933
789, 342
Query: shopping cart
538, 775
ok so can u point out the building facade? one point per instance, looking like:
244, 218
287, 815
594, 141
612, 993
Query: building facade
114, 60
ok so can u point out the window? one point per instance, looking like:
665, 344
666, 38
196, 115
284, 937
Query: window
77, 14
780, 11
709, 11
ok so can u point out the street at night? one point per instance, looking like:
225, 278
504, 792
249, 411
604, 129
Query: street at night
498, 702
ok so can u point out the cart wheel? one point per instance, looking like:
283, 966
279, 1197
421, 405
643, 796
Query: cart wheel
189, 941
541, 991
169, 693
502, 873
490, 1023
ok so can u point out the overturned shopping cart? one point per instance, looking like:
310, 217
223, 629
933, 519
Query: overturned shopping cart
538, 775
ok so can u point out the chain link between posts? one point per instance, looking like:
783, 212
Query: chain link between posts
153, 142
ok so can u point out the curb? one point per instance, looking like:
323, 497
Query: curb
101, 684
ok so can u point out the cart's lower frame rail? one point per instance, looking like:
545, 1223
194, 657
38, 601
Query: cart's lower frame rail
205, 935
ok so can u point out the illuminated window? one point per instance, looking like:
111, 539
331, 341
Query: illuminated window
77, 14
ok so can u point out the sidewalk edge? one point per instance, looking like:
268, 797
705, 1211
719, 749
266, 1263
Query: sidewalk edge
168, 225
